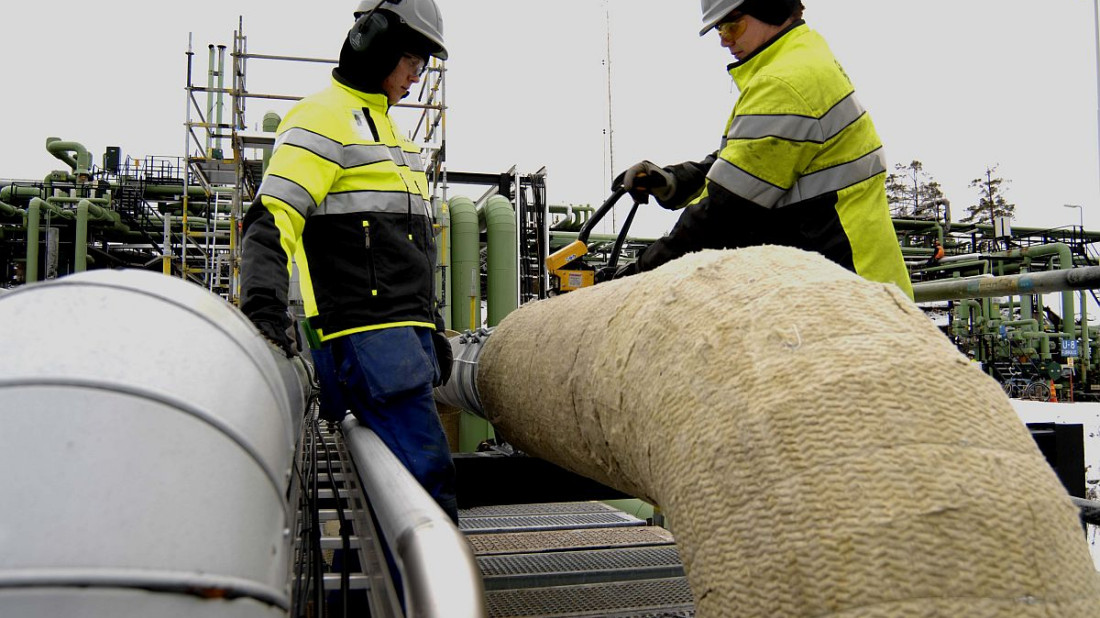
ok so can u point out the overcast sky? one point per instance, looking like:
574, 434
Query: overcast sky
958, 85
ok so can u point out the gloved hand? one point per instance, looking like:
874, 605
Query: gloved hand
645, 178
443, 355
626, 270
277, 337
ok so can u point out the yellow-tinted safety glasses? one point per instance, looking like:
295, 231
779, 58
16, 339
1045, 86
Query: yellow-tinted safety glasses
732, 30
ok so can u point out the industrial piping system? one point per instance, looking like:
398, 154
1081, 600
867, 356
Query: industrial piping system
138, 494
732, 387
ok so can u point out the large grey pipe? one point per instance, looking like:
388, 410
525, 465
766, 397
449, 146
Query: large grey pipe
148, 437
730, 388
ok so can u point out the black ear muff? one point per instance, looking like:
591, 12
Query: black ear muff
367, 29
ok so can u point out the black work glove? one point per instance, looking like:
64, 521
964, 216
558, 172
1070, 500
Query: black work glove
626, 270
277, 337
644, 179
443, 355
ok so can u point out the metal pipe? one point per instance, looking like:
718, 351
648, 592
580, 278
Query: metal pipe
1082, 278
1065, 262
439, 574
81, 165
11, 211
502, 258
209, 150
205, 515
461, 390
30, 268
465, 265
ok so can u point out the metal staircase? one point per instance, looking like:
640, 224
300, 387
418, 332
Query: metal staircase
556, 559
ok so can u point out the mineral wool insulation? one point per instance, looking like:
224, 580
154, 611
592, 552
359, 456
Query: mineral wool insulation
818, 447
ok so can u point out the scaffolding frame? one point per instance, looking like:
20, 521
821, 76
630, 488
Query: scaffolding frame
216, 264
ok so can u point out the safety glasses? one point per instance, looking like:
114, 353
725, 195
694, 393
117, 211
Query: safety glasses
733, 29
415, 64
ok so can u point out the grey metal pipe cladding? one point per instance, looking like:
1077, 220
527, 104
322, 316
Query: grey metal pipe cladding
730, 387
149, 433
460, 391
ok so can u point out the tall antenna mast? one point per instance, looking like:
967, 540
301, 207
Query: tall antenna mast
610, 127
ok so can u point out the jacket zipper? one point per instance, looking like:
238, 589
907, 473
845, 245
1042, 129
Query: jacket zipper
370, 259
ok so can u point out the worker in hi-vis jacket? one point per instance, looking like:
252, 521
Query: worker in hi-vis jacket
345, 195
799, 163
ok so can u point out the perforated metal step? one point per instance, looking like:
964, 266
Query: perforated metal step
556, 540
531, 517
579, 567
654, 597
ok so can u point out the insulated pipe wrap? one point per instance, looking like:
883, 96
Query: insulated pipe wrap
818, 447
153, 431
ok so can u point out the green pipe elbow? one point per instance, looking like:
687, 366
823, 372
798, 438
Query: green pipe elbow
80, 165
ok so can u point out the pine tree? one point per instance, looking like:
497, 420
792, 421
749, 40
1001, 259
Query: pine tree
912, 193
991, 201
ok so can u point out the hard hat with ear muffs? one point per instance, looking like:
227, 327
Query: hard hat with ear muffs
421, 16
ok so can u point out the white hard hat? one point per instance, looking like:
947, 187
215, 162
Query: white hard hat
422, 16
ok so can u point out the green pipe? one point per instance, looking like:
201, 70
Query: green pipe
920, 225
34, 211
7, 192
271, 125
11, 211
1065, 262
560, 239
982, 265
444, 293
502, 258
81, 164
1086, 356
84, 210
465, 265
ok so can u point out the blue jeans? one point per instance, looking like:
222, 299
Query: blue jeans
385, 378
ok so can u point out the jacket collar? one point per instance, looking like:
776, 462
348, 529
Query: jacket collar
374, 100
743, 70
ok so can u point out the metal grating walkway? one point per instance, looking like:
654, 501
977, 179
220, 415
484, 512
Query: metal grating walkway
575, 559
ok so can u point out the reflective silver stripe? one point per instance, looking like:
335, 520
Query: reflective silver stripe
359, 154
836, 178
288, 191
738, 181
317, 144
353, 155
763, 193
799, 128
408, 159
372, 201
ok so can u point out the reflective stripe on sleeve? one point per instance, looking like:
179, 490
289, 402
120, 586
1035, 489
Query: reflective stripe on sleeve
288, 191
739, 182
799, 128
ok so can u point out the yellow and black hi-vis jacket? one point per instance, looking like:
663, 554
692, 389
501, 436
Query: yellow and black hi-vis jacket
800, 165
345, 196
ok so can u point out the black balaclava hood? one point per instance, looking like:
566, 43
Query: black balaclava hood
366, 70
773, 12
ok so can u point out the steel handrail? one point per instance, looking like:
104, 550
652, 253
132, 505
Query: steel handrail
438, 570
